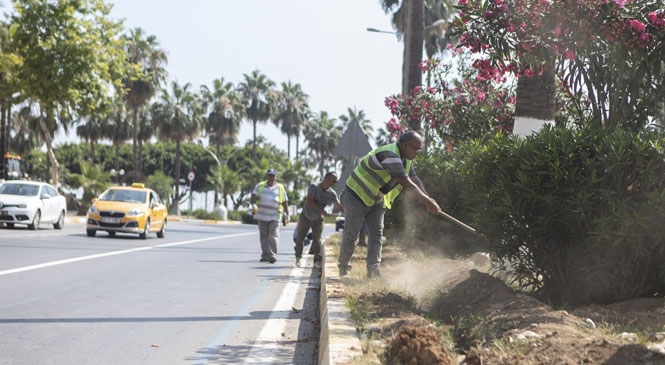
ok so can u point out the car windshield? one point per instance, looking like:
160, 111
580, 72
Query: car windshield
117, 195
19, 189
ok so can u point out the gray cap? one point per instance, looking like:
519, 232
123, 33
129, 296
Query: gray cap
271, 171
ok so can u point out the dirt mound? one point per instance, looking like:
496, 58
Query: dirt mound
492, 324
418, 345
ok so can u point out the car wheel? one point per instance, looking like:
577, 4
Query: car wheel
160, 234
91, 232
35, 221
111, 234
61, 221
146, 230
10, 225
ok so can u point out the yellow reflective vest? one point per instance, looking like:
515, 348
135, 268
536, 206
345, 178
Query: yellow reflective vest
282, 194
366, 182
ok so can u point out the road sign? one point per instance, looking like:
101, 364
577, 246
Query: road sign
190, 176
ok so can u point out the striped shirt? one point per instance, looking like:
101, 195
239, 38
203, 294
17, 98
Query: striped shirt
268, 203
388, 160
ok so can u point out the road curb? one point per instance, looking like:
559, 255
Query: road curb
338, 342
171, 218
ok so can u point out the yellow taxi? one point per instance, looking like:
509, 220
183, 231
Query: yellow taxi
127, 209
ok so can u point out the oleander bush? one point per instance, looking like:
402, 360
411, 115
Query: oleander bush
575, 216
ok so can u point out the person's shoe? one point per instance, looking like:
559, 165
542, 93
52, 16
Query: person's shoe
343, 273
362, 244
272, 260
317, 265
263, 260
374, 273
298, 262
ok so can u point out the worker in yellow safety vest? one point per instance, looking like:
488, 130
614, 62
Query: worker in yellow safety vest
371, 188
269, 202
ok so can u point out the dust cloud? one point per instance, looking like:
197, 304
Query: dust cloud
433, 260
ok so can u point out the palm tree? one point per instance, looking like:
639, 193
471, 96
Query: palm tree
254, 91
6, 91
322, 136
178, 116
291, 112
149, 61
383, 137
118, 130
146, 132
222, 123
435, 11
355, 115
91, 131
226, 110
24, 125
409, 17
93, 179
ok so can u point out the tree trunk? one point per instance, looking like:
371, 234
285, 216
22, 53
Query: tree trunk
49, 151
176, 205
254, 141
139, 156
117, 162
135, 138
4, 135
535, 102
413, 51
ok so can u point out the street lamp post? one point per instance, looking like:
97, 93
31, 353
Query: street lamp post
117, 175
219, 208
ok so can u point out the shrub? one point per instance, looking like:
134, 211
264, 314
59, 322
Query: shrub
575, 215
235, 215
202, 214
443, 182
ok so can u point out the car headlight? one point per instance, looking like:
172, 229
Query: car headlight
135, 212
94, 210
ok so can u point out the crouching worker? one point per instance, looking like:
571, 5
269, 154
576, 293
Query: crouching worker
318, 197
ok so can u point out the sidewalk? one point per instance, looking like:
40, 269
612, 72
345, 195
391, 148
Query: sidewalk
339, 341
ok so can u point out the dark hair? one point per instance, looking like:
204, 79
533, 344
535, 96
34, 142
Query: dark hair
330, 173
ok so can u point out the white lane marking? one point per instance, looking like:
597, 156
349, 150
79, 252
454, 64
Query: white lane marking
265, 347
113, 253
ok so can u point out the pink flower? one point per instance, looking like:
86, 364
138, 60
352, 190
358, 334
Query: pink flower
652, 17
557, 31
620, 3
637, 25
462, 2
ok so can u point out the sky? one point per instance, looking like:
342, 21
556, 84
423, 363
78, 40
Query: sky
322, 45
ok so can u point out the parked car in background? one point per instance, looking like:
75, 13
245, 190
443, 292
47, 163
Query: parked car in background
127, 209
31, 203
339, 222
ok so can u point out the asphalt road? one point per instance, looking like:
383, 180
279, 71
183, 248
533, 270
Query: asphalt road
197, 296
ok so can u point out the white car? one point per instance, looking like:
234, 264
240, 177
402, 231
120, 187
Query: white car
31, 203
